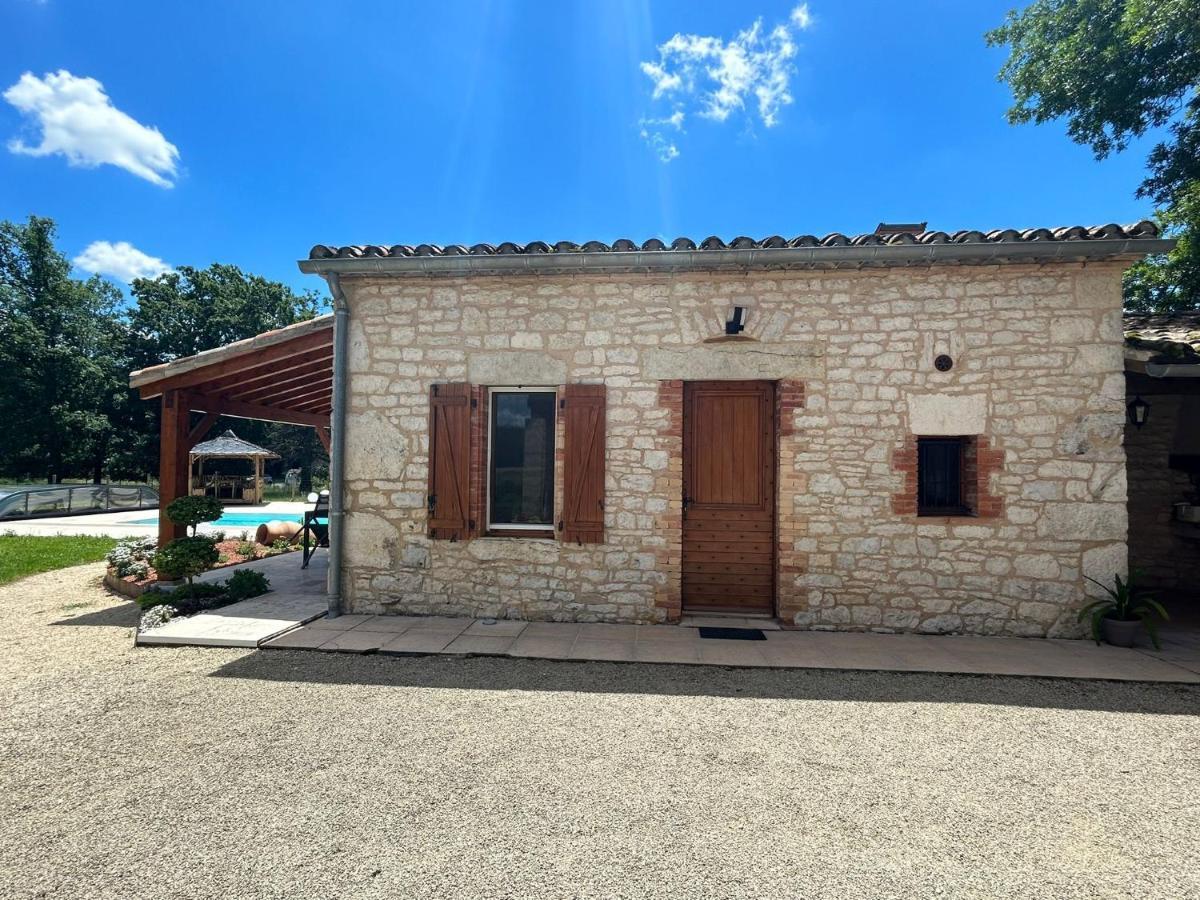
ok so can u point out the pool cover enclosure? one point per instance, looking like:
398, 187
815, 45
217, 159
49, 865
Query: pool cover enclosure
73, 499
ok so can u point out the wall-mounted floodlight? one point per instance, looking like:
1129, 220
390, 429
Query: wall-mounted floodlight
736, 322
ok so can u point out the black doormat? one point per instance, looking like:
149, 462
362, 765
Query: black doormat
733, 634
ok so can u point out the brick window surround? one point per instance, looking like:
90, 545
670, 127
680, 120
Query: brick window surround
980, 462
477, 501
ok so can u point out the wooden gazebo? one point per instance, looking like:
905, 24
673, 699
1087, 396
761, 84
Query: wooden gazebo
284, 375
225, 487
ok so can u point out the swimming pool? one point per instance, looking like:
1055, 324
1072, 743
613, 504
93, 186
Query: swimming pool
233, 520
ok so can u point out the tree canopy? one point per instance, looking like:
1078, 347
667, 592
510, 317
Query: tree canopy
188, 310
67, 346
1117, 70
61, 351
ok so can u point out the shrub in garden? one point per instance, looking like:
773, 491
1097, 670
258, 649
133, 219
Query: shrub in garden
132, 557
281, 545
246, 583
186, 558
187, 599
157, 615
191, 511
248, 549
190, 599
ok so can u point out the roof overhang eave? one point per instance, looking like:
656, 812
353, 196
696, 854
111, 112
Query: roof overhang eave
1138, 362
667, 261
151, 374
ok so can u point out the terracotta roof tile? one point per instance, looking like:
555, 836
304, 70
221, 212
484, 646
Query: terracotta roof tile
624, 245
1170, 337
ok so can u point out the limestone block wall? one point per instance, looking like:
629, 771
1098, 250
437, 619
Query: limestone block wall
1037, 372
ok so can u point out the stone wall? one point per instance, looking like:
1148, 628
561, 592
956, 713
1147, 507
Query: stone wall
1037, 373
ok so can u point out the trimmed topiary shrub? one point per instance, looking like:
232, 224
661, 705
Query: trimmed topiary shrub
186, 558
191, 511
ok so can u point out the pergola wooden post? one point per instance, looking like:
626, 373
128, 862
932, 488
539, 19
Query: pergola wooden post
174, 470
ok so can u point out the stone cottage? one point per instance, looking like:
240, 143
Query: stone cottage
907, 430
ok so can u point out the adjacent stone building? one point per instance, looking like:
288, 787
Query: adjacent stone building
914, 431
1162, 363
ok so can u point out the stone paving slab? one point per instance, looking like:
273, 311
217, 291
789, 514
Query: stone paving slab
964, 654
297, 597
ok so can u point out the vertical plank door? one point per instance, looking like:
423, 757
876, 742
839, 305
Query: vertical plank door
729, 496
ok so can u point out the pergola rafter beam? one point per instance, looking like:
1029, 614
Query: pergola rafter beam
264, 376
276, 353
239, 410
285, 395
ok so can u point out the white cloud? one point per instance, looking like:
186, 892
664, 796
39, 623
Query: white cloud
79, 121
722, 77
652, 132
121, 260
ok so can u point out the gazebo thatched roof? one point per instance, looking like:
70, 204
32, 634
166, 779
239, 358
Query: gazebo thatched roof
230, 445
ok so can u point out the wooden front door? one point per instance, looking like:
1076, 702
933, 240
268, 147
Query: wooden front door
729, 496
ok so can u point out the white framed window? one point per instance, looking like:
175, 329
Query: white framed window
520, 465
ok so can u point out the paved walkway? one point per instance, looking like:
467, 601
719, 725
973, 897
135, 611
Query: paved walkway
297, 596
414, 635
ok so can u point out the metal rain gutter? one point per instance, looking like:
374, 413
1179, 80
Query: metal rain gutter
1172, 370
571, 262
337, 455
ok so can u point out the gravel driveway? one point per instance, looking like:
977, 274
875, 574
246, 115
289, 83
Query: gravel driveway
229, 773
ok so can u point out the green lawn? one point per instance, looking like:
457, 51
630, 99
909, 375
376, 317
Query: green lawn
22, 555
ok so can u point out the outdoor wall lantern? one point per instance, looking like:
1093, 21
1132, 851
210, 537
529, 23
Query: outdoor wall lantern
736, 322
1139, 409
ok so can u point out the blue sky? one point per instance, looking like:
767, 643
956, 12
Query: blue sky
284, 124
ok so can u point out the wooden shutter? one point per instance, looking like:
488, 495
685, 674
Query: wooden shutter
449, 460
582, 408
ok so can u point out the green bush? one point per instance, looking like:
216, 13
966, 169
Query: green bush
246, 583
279, 545
191, 511
248, 549
187, 598
190, 599
186, 558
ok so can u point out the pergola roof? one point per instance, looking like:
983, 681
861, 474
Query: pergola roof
230, 446
284, 375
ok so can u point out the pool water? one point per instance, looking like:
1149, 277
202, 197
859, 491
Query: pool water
233, 520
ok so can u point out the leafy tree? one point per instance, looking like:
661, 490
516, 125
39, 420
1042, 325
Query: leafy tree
190, 310
183, 312
61, 359
1117, 69
67, 346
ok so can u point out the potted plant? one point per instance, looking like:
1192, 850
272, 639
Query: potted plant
1118, 617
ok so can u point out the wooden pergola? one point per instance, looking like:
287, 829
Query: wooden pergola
284, 375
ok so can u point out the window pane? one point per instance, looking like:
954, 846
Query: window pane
522, 442
939, 474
